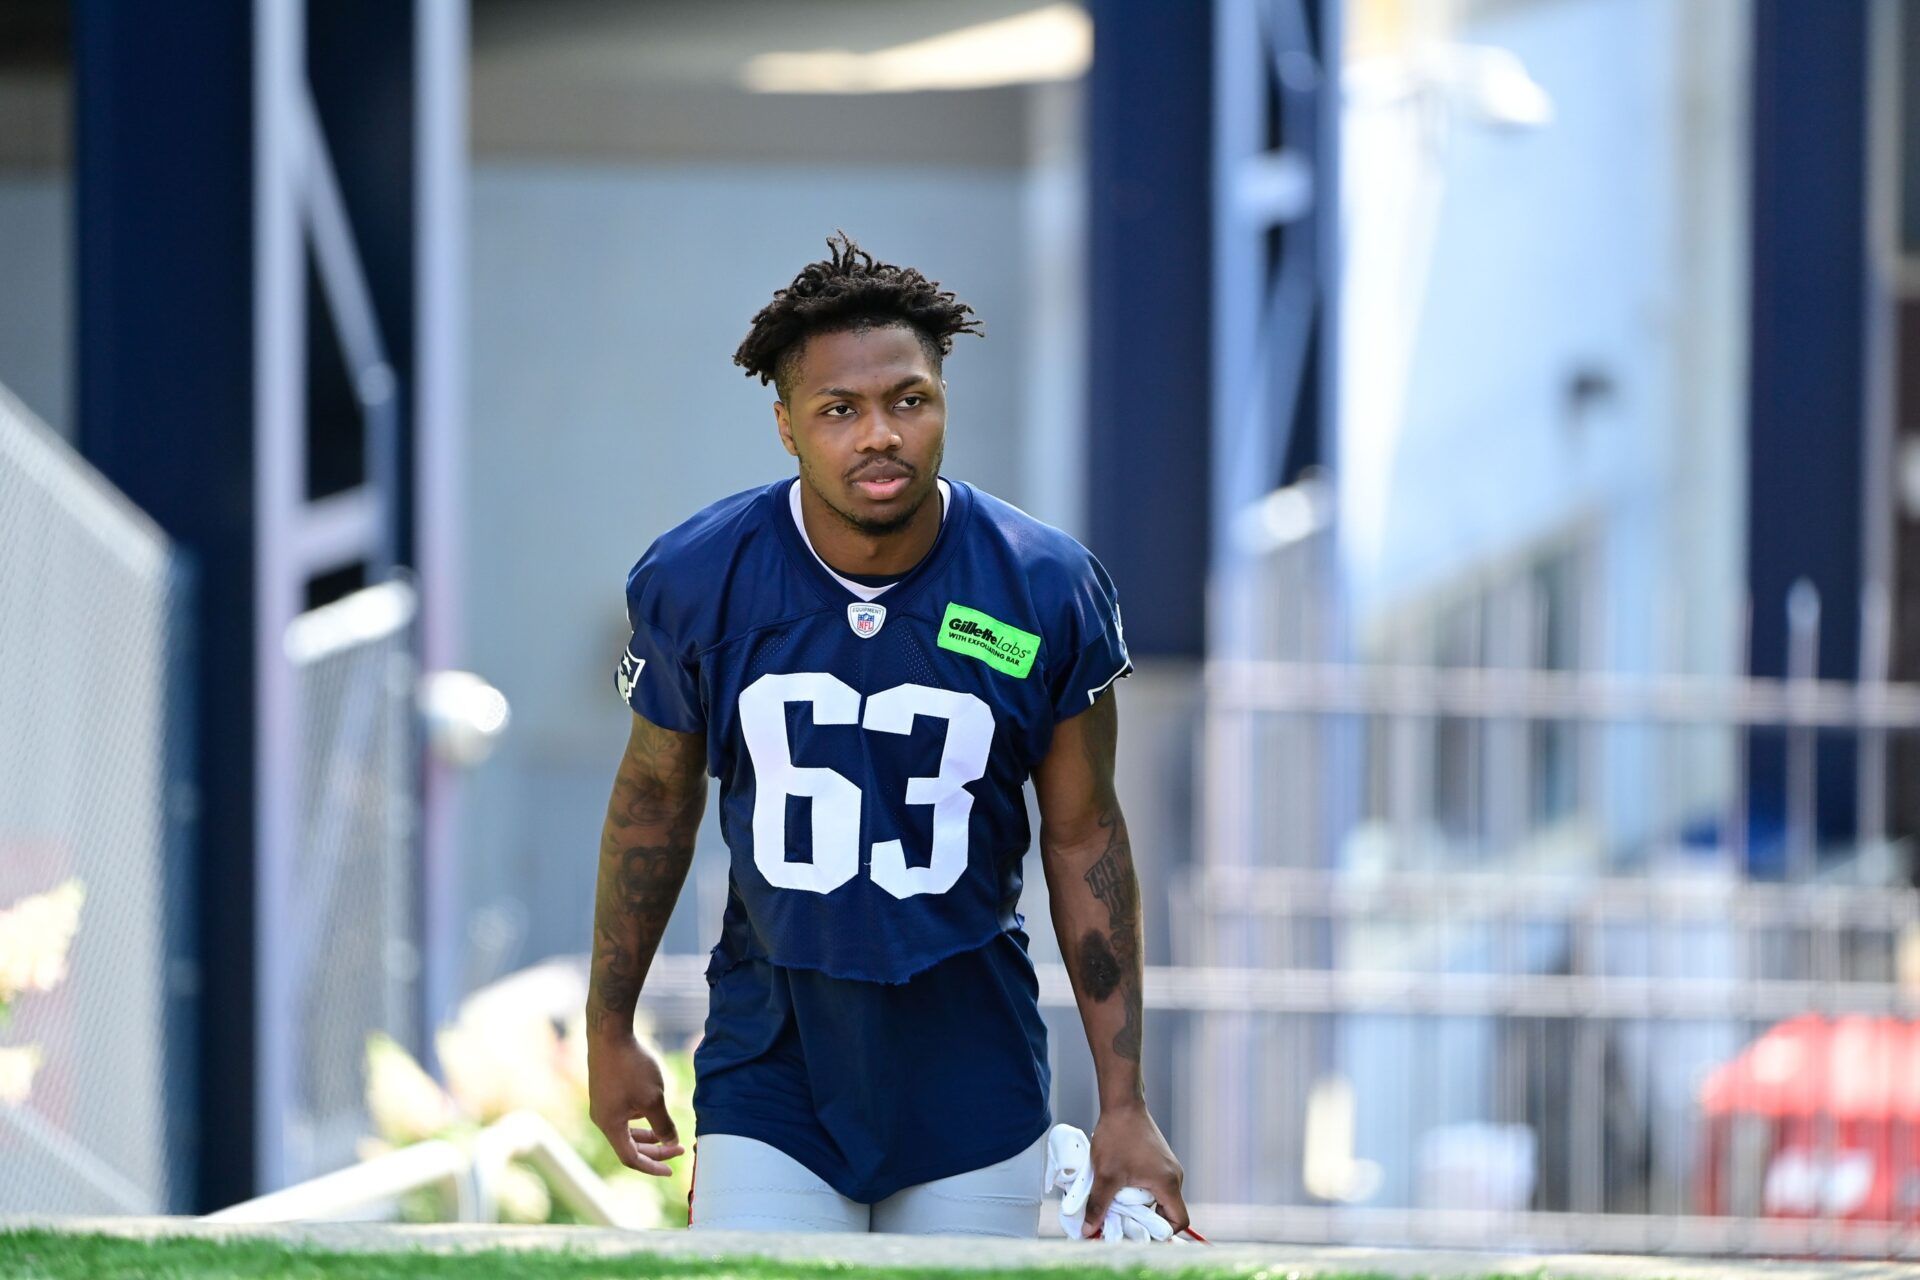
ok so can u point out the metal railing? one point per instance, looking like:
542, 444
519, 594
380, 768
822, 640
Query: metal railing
466, 1176
1422, 1007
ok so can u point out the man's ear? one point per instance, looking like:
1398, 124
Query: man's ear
786, 428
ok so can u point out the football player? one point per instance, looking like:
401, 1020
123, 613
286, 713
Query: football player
873, 659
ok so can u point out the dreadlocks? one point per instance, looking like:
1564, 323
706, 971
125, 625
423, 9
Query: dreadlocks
849, 290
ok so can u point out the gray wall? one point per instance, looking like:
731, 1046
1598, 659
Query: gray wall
36, 222
36, 292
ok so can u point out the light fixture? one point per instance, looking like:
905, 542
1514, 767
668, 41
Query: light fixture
465, 716
1046, 44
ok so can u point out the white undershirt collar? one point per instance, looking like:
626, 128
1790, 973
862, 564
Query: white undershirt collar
860, 589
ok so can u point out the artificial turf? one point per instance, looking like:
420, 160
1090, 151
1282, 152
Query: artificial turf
40, 1254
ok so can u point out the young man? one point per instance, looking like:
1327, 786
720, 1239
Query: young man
872, 659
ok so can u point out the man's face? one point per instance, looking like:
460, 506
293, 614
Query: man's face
867, 417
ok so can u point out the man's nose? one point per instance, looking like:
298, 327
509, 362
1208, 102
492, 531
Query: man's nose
880, 431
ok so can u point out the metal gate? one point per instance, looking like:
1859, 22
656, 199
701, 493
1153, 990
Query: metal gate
346, 933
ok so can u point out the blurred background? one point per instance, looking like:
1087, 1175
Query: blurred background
1501, 419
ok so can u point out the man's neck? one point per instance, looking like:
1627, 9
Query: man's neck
849, 550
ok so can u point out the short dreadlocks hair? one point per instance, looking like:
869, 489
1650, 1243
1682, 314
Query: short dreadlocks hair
849, 290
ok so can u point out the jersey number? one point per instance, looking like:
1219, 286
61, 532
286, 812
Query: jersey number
836, 800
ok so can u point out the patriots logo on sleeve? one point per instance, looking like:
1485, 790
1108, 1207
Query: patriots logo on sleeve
629, 674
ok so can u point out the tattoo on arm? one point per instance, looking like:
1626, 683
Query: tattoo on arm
659, 796
1109, 962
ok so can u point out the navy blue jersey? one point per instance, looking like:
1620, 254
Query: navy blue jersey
871, 758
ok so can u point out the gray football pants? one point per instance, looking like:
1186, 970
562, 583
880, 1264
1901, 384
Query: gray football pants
743, 1184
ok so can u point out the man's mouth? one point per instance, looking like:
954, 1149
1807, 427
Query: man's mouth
881, 483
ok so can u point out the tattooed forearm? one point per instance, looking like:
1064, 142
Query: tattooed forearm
646, 846
1095, 893
632, 904
1110, 964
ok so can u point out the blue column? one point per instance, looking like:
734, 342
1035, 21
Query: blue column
163, 203
1807, 417
1149, 245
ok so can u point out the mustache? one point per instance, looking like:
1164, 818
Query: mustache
889, 465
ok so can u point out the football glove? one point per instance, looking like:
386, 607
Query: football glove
1131, 1216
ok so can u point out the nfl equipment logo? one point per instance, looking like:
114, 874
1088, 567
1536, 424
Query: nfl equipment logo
866, 619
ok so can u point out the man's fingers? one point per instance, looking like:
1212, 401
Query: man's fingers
622, 1143
662, 1122
1098, 1200
1172, 1207
645, 1159
648, 1135
660, 1150
647, 1164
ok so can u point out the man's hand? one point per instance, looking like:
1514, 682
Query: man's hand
624, 1082
1129, 1151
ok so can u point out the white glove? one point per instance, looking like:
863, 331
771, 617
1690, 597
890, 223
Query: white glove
1070, 1167
1131, 1216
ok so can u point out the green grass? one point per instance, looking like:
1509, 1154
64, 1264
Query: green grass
39, 1254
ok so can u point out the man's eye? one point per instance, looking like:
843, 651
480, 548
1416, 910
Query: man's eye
834, 409
911, 401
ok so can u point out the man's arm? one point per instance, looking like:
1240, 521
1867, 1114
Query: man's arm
646, 845
1096, 914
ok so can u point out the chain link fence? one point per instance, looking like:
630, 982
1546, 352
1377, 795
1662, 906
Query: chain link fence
94, 791
348, 930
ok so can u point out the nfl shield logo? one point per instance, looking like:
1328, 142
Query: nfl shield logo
866, 619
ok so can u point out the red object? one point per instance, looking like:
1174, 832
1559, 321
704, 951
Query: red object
693, 1178
1100, 1233
1821, 1118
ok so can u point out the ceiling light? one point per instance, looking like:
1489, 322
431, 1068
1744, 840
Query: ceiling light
1050, 43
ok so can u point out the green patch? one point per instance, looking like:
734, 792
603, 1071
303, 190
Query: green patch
42, 1254
1000, 645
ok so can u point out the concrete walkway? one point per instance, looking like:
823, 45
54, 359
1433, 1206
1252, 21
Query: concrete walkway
1283, 1261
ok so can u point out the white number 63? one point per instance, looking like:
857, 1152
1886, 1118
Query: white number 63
836, 800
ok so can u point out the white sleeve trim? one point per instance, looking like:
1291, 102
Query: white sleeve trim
1093, 695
